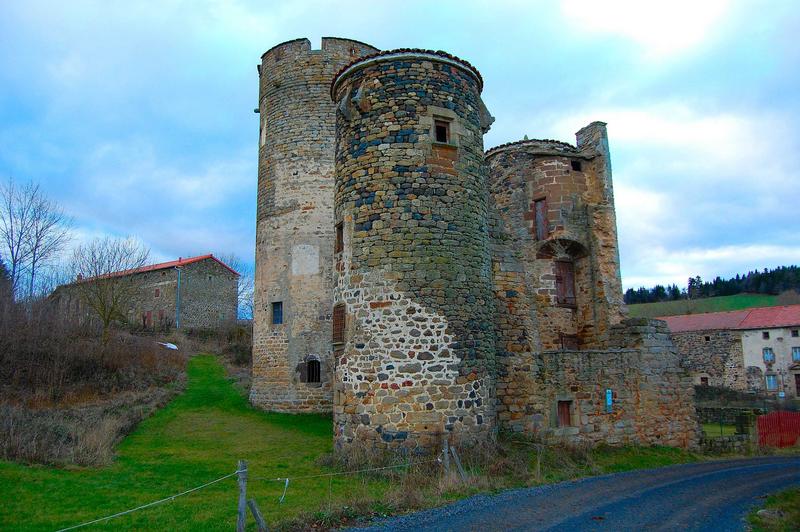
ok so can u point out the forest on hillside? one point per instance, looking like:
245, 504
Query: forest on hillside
776, 281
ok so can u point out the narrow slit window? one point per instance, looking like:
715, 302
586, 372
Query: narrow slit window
277, 312
313, 371
338, 323
158, 292
339, 246
576, 166
442, 131
565, 413
540, 219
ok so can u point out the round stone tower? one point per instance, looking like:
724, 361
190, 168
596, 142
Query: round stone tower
292, 365
413, 312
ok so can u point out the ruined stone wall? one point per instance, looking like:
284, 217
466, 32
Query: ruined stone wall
715, 354
295, 230
418, 353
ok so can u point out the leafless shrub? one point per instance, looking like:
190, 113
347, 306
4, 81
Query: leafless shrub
83, 435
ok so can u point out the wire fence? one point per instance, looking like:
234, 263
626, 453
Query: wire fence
150, 504
241, 473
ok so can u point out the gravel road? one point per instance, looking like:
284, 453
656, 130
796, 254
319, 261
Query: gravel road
705, 496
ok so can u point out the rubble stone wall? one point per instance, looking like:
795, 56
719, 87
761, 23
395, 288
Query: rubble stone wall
418, 356
714, 354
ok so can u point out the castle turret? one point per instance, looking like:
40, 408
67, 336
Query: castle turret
555, 258
413, 305
292, 365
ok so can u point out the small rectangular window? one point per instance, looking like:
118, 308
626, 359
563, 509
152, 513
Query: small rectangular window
339, 246
158, 292
772, 382
565, 413
277, 312
541, 228
708, 338
769, 355
765, 335
576, 166
704, 381
795, 333
442, 131
796, 354
338, 323
569, 342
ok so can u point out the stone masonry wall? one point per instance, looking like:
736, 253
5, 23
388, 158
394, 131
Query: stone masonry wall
208, 298
295, 229
209, 295
418, 356
715, 354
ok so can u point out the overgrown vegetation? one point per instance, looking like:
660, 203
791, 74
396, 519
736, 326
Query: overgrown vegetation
67, 397
202, 434
781, 513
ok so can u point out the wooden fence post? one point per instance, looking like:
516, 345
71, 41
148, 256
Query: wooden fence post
262, 525
457, 460
241, 518
445, 455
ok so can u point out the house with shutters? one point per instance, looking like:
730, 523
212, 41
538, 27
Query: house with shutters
754, 350
189, 293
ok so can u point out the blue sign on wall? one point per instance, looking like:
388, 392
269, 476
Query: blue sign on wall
609, 400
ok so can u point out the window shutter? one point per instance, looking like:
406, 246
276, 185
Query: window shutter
338, 323
303, 367
565, 283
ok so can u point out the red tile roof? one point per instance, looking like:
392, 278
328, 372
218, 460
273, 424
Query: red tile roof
766, 317
165, 265
705, 322
754, 318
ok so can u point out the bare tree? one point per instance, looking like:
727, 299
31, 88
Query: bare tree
246, 287
49, 232
33, 230
102, 279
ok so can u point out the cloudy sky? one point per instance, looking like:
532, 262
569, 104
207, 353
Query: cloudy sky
138, 117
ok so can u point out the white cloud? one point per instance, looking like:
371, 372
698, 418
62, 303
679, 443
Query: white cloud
663, 266
659, 28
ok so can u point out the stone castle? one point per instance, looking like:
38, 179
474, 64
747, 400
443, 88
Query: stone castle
419, 287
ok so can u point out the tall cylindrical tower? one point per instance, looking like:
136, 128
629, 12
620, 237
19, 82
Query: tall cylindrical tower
413, 310
292, 365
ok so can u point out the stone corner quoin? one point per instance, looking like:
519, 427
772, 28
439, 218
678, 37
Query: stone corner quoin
421, 288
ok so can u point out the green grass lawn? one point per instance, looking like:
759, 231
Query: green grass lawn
697, 306
198, 437
715, 429
202, 433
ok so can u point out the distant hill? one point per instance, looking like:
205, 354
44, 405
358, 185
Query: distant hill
708, 304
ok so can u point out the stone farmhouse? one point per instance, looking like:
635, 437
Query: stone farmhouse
755, 350
420, 287
192, 293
